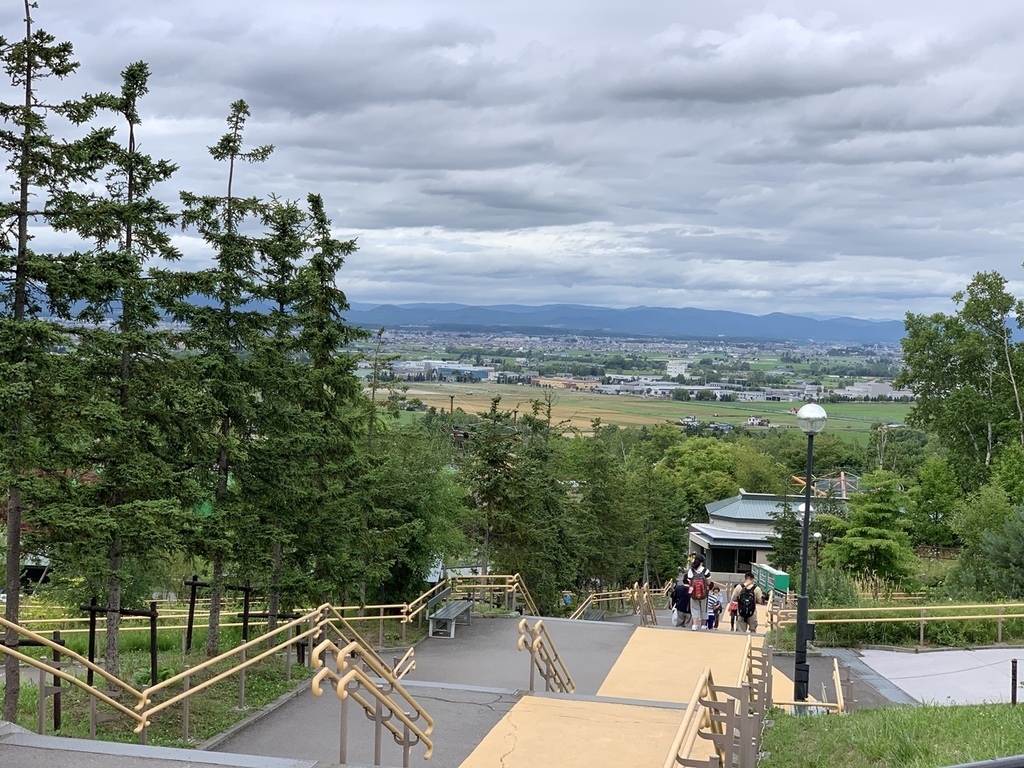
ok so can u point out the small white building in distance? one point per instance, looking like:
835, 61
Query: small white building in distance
677, 368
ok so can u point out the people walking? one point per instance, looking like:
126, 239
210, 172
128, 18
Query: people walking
747, 597
697, 579
681, 601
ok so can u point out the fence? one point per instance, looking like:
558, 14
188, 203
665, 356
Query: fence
729, 717
285, 639
921, 615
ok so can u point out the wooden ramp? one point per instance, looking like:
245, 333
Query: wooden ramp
566, 733
657, 665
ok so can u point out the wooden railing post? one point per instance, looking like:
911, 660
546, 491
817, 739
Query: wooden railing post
922, 623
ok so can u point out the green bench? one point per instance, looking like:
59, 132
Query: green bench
443, 619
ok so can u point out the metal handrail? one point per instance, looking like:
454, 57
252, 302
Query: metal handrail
693, 720
745, 668
349, 634
544, 657
513, 584
69, 678
352, 672
837, 681
894, 608
145, 705
419, 605
601, 597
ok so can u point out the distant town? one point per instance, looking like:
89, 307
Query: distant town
728, 371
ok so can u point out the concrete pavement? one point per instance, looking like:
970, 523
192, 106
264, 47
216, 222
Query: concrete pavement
632, 684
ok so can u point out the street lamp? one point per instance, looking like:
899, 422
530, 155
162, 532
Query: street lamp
817, 541
811, 419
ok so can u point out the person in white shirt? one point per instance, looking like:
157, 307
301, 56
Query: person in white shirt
698, 579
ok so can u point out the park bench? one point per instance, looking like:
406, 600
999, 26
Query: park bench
443, 619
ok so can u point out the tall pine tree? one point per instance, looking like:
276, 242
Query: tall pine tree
222, 329
33, 285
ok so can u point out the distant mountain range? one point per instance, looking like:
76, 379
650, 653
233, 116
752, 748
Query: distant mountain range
686, 323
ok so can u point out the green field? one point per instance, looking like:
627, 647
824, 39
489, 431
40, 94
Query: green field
578, 409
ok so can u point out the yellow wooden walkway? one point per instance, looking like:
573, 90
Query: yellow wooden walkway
657, 665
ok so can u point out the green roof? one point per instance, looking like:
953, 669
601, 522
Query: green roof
752, 507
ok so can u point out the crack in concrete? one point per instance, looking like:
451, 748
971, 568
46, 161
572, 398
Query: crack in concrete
489, 705
515, 739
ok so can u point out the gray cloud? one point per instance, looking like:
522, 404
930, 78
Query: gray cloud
759, 156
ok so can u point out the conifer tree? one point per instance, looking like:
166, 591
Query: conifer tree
133, 417
334, 407
44, 169
223, 327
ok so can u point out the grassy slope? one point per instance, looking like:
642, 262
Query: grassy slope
909, 737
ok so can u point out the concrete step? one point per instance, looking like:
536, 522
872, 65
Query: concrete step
25, 749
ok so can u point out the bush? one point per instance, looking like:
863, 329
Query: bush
831, 588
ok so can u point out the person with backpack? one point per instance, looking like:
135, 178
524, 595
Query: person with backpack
697, 580
747, 597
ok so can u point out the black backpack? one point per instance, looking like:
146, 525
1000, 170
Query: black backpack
746, 604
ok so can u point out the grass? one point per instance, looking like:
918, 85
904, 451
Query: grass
211, 711
908, 737
578, 409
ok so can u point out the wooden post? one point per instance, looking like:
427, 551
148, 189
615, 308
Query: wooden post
194, 583
999, 624
380, 630
56, 683
1013, 682
152, 643
921, 627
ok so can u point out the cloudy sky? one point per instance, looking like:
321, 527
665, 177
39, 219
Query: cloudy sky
841, 157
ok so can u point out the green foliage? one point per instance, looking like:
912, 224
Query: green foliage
831, 588
966, 371
874, 542
909, 737
988, 509
1003, 551
932, 504
788, 542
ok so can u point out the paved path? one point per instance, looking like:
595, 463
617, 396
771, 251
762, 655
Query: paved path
632, 685
949, 677
467, 685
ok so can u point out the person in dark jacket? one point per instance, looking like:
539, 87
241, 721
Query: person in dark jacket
681, 601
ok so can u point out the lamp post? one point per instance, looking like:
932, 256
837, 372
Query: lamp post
817, 541
811, 419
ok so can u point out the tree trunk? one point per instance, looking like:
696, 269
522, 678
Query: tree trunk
112, 655
213, 633
12, 673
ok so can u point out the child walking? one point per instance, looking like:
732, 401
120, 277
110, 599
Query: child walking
714, 605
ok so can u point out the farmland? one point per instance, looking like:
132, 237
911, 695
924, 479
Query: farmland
576, 410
